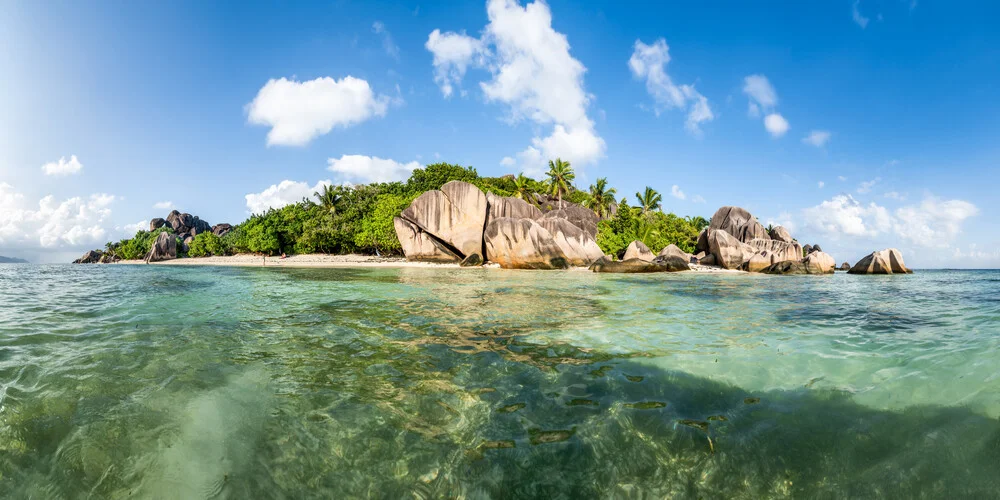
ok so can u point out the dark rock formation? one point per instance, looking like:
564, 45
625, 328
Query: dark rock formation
164, 248
221, 230
156, 224
658, 265
845, 266
91, 257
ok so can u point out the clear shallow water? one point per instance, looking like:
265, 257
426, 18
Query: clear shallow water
166, 382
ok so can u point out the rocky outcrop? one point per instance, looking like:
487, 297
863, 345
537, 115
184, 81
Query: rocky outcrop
776, 250
164, 248
888, 261
758, 262
708, 260
581, 217
108, 259
221, 230
781, 234
658, 265
788, 267
578, 246
806, 250
455, 215
186, 224
672, 250
522, 244
91, 257
729, 252
156, 224
845, 266
739, 223
819, 263
508, 206
420, 246
638, 250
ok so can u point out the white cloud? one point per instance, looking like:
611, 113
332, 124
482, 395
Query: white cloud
776, 125
817, 138
932, 223
753, 110
129, 230
298, 112
859, 19
72, 223
759, 88
866, 187
284, 193
676, 192
388, 45
533, 74
163, 205
894, 195
364, 169
841, 178
508, 161
650, 62
697, 199
453, 54
63, 167
821, 184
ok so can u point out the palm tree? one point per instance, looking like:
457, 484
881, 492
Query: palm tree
522, 189
560, 178
329, 197
601, 197
649, 200
698, 222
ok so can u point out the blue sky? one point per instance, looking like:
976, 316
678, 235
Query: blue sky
201, 104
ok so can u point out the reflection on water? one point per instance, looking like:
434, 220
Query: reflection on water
156, 382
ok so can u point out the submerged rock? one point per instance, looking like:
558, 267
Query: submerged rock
638, 250
522, 244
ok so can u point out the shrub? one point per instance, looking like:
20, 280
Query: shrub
206, 245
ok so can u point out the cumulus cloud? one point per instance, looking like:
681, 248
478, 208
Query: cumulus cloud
388, 44
859, 19
817, 138
508, 161
364, 169
866, 186
72, 223
776, 125
298, 112
129, 230
284, 193
533, 74
932, 223
163, 205
697, 199
63, 167
676, 192
650, 62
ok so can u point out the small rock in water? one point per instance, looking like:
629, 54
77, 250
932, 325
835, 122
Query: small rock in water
633, 378
545, 437
720, 418
697, 424
511, 408
646, 405
751, 401
582, 402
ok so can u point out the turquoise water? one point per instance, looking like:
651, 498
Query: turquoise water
169, 382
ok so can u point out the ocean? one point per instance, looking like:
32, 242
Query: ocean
216, 382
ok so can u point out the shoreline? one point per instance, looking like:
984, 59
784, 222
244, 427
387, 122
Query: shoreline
346, 261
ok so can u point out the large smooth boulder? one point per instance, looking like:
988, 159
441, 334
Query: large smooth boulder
739, 223
522, 244
455, 215
758, 262
508, 206
888, 261
108, 259
221, 230
708, 260
164, 248
638, 250
420, 246
777, 250
672, 250
788, 267
91, 257
820, 263
581, 217
658, 265
156, 224
180, 223
845, 266
702, 244
781, 234
806, 250
729, 252
579, 247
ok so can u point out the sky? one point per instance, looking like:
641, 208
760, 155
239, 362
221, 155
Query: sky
859, 125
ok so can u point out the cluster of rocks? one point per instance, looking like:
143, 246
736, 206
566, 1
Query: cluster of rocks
97, 257
187, 226
459, 223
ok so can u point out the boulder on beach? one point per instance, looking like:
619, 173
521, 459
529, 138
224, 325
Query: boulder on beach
729, 252
421, 246
164, 248
819, 262
108, 259
777, 250
455, 215
581, 217
672, 250
638, 250
888, 261
91, 257
708, 260
845, 267
578, 246
788, 267
522, 244
658, 265
781, 234
702, 245
758, 262
739, 223
508, 206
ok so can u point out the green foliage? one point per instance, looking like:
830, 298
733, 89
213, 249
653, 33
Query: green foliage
377, 231
138, 246
649, 200
561, 178
206, 245
436, 175
600, 198
655, 229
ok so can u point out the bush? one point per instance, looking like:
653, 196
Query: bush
138, 246
376, 230
206, 245
655, 229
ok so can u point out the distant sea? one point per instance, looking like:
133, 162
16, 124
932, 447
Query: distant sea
200, 382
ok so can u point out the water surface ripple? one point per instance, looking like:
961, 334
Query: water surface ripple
167, 382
